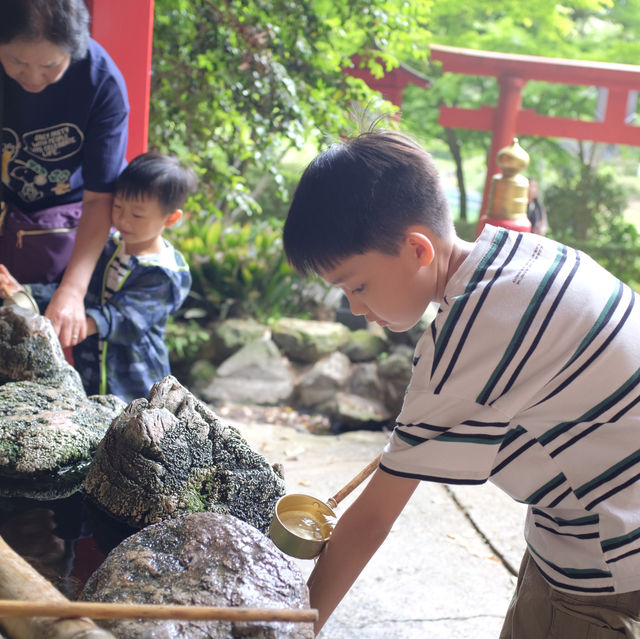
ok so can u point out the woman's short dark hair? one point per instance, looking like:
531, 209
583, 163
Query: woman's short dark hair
160, 176
361, 195
63, 22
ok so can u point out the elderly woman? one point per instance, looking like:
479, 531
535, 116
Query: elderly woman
64, 120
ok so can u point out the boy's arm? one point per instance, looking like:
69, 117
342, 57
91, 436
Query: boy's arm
358, 534
140, 304
91, 325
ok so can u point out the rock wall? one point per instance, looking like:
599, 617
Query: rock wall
357, 377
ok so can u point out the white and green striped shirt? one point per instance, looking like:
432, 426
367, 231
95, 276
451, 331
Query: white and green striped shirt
529, 377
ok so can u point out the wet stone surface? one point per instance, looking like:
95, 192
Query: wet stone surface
202, 559
49, 428
74, 469
170, 454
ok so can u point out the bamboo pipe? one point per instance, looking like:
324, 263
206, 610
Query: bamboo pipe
18, 580
96, 610
332, 502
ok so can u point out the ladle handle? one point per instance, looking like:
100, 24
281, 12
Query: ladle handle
354, 483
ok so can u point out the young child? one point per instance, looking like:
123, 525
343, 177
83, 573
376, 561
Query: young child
528, 377
139, 280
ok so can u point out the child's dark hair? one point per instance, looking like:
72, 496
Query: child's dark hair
156, 175
63, 22
361, 195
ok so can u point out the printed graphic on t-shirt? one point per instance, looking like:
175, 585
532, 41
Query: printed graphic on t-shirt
26, 168
537, 251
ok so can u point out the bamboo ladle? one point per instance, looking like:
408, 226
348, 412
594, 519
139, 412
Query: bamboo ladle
291, 508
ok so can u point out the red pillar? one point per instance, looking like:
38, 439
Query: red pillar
125, 29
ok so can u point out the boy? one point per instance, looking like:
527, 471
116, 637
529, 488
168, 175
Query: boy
528, 376
139, 280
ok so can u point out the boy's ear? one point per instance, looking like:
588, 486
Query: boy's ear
172, 218
422, 246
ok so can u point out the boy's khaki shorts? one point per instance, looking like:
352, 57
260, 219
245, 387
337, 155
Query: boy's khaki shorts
538, 611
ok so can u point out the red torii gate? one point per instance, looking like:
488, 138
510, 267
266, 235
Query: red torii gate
507, 120
125, 29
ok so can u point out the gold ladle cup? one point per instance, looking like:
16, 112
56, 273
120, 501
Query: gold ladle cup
302, 524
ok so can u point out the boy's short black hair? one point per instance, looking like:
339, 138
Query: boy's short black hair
63, 22
156, 175
361, 195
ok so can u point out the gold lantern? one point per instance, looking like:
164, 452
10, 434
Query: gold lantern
509, 191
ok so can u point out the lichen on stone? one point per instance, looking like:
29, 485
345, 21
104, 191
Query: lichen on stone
49, 428
170, 454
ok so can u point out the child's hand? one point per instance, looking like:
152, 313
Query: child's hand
8, 284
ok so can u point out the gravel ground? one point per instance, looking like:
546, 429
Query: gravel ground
314, 423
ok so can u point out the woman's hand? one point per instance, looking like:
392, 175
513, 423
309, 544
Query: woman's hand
8, 284
66, 308
66, 312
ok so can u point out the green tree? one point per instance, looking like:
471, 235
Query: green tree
238, 83
584, 29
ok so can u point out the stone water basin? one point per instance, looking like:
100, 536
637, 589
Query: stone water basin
168, 504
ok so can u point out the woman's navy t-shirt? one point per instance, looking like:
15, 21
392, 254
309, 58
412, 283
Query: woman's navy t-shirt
69, 137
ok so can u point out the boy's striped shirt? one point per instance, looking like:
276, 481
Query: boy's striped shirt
530, 376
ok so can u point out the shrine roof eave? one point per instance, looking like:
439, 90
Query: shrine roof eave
529, 67
401, 75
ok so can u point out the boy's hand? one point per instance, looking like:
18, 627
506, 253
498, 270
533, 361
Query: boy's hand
357, 536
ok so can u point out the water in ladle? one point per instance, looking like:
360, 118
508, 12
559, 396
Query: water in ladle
315, 526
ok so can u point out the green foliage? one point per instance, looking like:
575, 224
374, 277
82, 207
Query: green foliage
184, 338
239, 270
599, 30
582, 204
585, 210
236, 84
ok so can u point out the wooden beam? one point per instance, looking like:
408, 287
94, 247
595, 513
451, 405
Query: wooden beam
529, 67
528, 122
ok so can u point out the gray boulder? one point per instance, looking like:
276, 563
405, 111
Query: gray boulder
365, 381
355, 411
49, 428
364, 345
395, 373
255, 374
170, 454
30, 350
325, 378
308, 340
230, 335
202, 559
